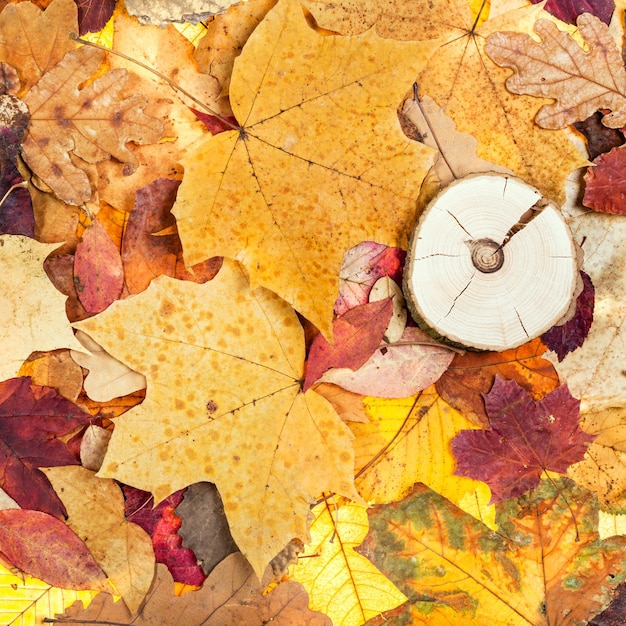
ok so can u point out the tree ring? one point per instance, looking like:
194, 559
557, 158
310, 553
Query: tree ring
487, 255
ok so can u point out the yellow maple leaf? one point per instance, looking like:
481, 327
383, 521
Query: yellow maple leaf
462, 79
32, 316
224, 365
408, 441
318, 165
95, 509
340, 582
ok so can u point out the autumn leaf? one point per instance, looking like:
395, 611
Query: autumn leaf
472, 374
57, 370
95, 508
46, 548
93, 15
162, 523
557, 67
98, 270
546, 565
318, 153
569, 10
407, 441
599, 138
146, 251
175, 10
526, 439
567, 337
356, 334
462, 80
245, 440
33, 420
605, 187
34, 41
33, 313
232, 590
204, 527
396, 370
27, 600
340, 582
593, 371
91, 123
362, 266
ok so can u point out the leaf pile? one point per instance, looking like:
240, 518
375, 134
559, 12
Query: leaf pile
214, 403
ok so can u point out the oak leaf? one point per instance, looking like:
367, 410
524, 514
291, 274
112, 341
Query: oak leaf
526, 439
231, 589
91, 123
33, 421
32, 316
356, 335
46, 548
95, 508
478, 102
204, 527
162, 523
340, 582
557, 67
244, 439
319, 138
544, 566
34, 41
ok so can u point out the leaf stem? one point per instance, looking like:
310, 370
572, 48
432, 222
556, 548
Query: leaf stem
21, 185
162, 76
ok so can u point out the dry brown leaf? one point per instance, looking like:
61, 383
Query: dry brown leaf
192, 341
91, 123
231, 595
319, 153
34, 41
32, 315
581, 81
349, 406
470, 88
225, 37
56, 370
95, 508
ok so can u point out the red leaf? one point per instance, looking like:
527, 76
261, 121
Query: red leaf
356, 335
362, 266
605, 183
146, 255
215, 125
569, 10
526, 438
93, 15
32, 419
98, 270
162, 524
46, 548
571, 335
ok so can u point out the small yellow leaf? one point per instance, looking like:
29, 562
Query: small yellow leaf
340, 582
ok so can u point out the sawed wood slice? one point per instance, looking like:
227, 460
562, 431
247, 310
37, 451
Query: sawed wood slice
491, 263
